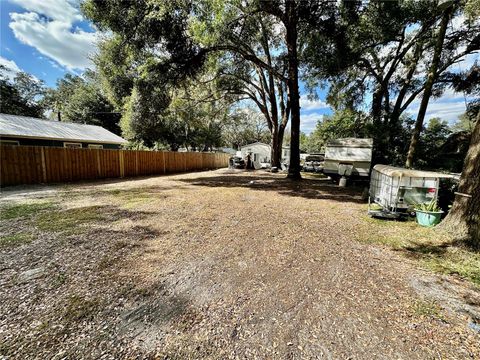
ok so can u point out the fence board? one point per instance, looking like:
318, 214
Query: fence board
35, 164
3, 168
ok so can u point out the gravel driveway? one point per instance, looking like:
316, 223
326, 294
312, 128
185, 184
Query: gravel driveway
216, 265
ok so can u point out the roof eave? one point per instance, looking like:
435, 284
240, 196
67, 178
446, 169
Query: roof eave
64, 139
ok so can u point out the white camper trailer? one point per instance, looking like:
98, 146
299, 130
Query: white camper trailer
348, 157
397, 190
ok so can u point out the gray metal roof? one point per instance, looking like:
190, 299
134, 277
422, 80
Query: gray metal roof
34, 128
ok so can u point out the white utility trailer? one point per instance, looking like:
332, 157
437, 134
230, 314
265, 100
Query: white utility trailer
348, 157
397, 190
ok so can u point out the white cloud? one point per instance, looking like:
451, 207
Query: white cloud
61, 10
11, 68
449, 111
48, 26
448, 107
309, 121
307, 104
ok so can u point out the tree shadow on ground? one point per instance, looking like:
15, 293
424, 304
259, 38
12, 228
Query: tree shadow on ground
86, 283
321, 189
449, 257
419, 250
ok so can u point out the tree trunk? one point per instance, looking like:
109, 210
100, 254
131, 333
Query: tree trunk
380, 151
377, 105
281, 133
463, 220
427, 92
294, 94
277, 145
275, 155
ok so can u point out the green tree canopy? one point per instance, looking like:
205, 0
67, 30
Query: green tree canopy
22, 95
164, 43
80, 99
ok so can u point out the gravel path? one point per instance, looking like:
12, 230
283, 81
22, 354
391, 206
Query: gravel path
217, 265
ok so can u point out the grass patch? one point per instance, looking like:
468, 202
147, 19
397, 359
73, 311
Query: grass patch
428, 309
15, 239
375, 207
433, 249
78, 308
59, 280
132, 198
68, 220
23, 210
456, 261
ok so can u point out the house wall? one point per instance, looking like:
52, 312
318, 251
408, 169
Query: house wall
56, 143
262, 150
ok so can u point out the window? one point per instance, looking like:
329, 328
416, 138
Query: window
9, 142
70, 145
95, 146
255, 157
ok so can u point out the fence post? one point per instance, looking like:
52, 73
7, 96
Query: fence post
44, 165
163, 158
121, 162
99, 167
136, 162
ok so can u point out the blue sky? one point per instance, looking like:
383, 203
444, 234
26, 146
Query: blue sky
45, 38
48, 38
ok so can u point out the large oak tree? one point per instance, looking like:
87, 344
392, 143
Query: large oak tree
173, 40
390, 44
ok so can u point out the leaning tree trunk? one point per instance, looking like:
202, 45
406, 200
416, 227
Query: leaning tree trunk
394, 121
463, 220
294, 94
427, 92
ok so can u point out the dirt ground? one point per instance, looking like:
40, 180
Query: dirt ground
216, 265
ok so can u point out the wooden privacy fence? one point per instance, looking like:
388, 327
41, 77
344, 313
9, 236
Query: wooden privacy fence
38, 164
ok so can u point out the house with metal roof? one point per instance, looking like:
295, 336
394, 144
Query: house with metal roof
261, 153
24, 130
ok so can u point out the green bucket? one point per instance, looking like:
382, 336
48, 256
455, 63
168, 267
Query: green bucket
428, 218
